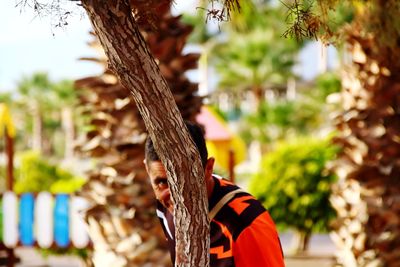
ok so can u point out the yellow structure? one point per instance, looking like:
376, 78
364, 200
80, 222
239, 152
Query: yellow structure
5, 121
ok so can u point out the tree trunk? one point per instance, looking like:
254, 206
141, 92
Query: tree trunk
300, 242
37, 136
9, 149
259, 96
366, 196
69, 132
130, 59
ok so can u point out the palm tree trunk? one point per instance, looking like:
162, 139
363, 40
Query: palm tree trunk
259, 96
37, 136
366, 197
69, 131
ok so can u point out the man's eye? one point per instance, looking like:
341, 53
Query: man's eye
161, 183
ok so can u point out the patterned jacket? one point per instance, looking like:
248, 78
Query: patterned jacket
242, 234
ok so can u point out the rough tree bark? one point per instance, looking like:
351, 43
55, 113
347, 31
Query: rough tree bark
366, 197
132, 62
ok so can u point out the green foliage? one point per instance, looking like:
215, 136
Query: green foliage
221, 113
36, 174
308, 19
251, 16
81, 253
279, 120
5, 97
37, 89
3, 174
37, 103
253, 53
330, 19
326, 84
294, 184
67, 185
200, 33
65, 92
257, 59
284, 119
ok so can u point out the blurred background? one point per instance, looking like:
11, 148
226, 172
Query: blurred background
268, 103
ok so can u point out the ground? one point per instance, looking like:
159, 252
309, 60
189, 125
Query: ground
321, 252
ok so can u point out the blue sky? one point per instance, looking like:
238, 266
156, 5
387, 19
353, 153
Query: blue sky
30, 44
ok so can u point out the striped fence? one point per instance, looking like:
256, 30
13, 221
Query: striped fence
43, 220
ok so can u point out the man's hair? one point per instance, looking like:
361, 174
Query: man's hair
197, 135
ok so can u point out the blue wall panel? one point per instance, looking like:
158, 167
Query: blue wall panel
26, 219
61, 220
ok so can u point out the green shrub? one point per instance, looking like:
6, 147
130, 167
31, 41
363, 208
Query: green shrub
326, 84
67, 186
35, 174
294, 184
82, 253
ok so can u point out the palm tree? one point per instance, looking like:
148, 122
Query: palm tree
35, 91
122, 222
369, 165
6, 98
366, 196
254, 56
265, 64
66, 100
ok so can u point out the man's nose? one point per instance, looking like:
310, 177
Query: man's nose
165, 194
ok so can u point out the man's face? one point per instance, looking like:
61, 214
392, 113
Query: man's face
158, 179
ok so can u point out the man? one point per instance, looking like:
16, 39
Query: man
242, 234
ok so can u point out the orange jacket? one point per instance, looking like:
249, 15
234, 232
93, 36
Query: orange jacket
242, 234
